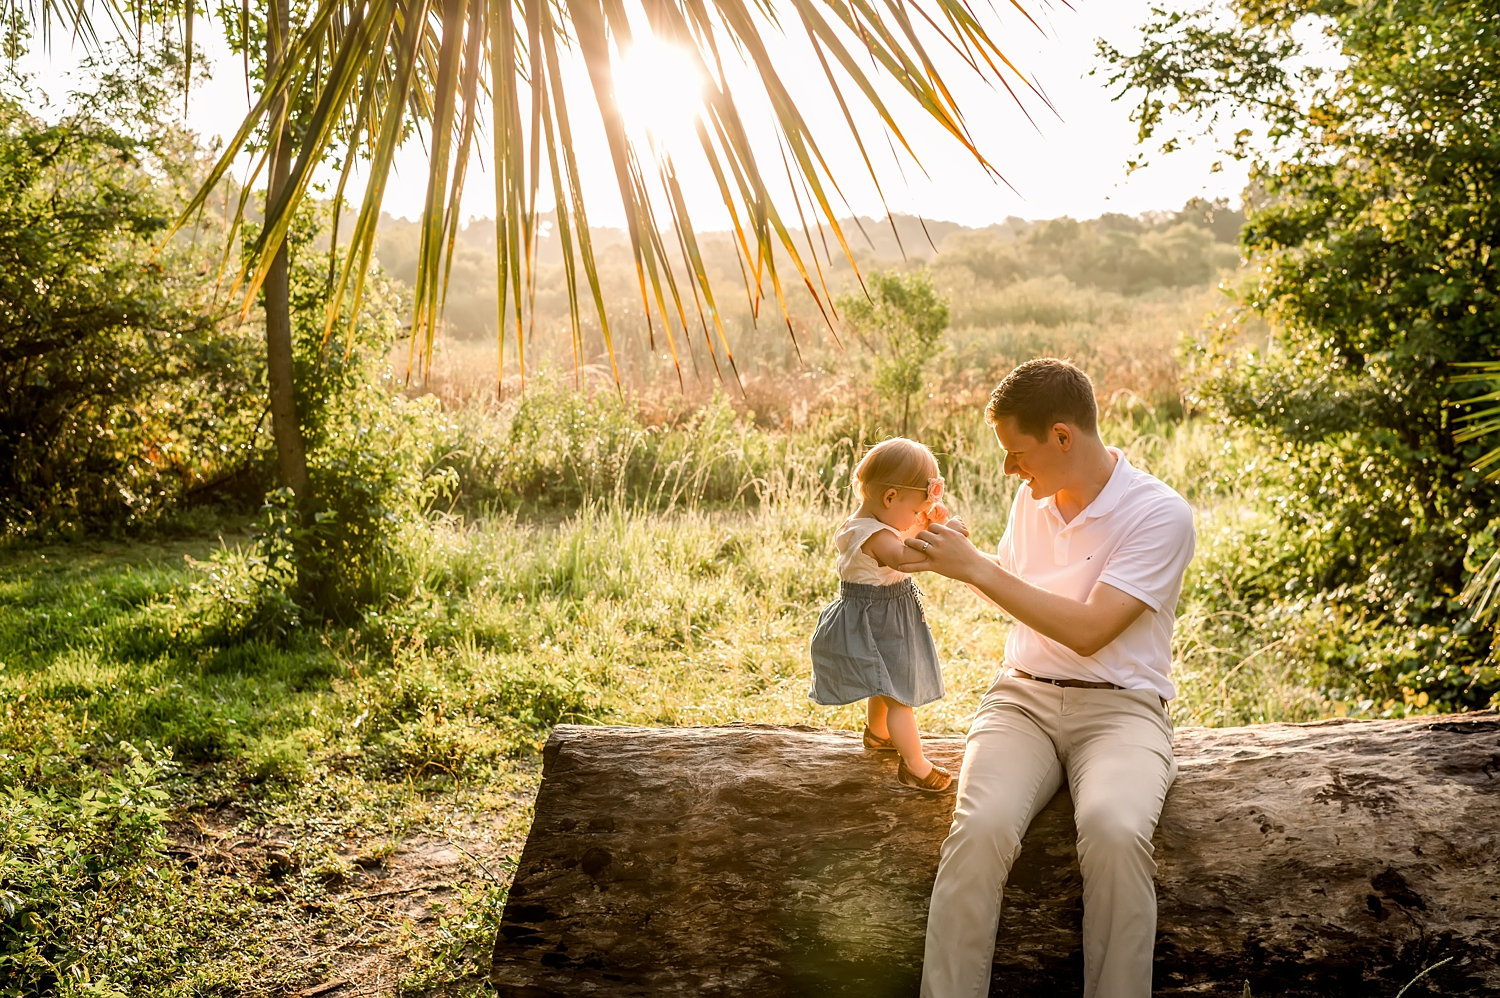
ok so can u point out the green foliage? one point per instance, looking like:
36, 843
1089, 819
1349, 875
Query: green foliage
899, 321
365, 448
1113, 253
119, 397
353, 742
1064, 267
1370, 237
556, 450
75, 847
465, 939
460, 720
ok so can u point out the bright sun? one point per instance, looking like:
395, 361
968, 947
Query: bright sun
660, 91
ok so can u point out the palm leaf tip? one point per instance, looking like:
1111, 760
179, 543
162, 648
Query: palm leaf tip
431, 63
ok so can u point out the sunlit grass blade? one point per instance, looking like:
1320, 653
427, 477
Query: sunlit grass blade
692, 253
796, 182
187, 53
469, 108
288, 72
383, 144
321, 125
695, 278
593, 27
508, 143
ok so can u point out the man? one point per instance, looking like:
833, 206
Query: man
1090, 568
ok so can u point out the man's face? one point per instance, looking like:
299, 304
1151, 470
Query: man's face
1038, 461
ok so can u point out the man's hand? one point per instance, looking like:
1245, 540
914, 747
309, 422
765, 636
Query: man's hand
946, 550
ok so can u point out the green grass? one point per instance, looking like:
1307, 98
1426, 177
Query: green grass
362, 736
176, 784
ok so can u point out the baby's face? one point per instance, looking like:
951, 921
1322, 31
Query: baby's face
904, 507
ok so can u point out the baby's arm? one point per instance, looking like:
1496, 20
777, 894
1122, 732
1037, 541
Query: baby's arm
890, 550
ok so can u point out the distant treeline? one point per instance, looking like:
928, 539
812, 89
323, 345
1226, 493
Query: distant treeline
1120, 254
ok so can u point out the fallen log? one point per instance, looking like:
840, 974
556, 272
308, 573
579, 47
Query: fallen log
1327, 859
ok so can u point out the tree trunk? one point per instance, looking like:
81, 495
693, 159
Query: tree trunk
286, 428
1338, 858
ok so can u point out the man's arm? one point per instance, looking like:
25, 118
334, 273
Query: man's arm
1081, 626
891, 551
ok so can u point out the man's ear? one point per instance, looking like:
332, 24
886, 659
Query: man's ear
1064, 435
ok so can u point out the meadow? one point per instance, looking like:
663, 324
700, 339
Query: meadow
217, 810
255, 742
213, 788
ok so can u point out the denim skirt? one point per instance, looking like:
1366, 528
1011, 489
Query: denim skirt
874, 640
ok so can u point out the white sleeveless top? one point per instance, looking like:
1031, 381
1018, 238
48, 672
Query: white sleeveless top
854, 564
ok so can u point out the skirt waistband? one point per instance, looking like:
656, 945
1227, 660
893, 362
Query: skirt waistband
859, 590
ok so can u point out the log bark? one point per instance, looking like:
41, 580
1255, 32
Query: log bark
1327, 859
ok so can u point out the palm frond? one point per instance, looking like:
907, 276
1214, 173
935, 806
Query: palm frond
1481, 420
365, 75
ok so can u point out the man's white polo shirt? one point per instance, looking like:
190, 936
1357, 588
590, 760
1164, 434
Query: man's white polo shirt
1136, 536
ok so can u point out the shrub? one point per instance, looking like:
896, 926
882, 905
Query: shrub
366, 448
70, 856
119, 396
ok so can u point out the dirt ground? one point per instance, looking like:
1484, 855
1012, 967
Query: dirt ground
374, 912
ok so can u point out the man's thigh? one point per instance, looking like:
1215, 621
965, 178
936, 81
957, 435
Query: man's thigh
1119, 760
1011, 767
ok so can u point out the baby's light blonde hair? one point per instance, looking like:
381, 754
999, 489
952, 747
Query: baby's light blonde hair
897, 461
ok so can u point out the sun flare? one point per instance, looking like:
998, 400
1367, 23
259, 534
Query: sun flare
659, 90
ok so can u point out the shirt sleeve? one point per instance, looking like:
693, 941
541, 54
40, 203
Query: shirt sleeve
859, 529
1150, 561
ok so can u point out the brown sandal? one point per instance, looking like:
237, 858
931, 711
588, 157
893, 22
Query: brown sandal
875, 743
934, 782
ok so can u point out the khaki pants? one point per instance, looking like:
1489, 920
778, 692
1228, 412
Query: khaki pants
1114, 748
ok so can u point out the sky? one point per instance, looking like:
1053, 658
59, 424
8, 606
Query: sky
1068, 163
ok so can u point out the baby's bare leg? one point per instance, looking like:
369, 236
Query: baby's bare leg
902, 722
875, 717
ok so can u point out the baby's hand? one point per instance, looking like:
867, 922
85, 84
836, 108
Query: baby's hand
941, 514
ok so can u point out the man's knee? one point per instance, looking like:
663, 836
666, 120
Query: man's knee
1114, 834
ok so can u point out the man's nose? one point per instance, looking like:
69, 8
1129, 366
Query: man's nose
1011, 468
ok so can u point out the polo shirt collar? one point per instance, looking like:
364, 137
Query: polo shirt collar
1108, 498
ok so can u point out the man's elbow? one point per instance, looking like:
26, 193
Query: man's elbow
1085, 646
1088, 641
1089, 633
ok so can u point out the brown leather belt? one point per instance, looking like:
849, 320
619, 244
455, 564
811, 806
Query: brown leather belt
1078, 684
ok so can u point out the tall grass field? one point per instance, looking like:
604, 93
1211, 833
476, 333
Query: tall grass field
204, 794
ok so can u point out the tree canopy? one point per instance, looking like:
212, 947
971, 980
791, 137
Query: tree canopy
114, 376
1376, 142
